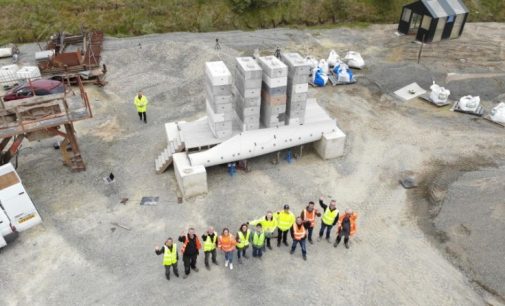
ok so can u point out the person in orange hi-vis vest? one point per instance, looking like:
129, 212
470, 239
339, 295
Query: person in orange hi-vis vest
299, 235
190, 250
227, 243
346, 227
308, 216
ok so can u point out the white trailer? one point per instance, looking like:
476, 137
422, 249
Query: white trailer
17, 212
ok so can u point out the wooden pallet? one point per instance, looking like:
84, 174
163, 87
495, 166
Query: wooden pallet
479, 112
427, 98
488, 118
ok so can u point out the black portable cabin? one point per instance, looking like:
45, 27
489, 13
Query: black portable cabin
433, 20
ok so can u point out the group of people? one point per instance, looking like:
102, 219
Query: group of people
284, 221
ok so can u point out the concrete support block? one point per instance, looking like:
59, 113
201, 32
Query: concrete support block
275, 82
192, 180
331, 145
275, 91
217, 98
218, 73
247, 102
248, 67
273, 67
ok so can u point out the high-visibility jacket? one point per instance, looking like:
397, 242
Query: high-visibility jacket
352, 218
310, 216
298, 232
258, 239
244, 240
227, 243
210, 244
170, 257
329, 216
268, 226
285, 220
140, 104
186, 241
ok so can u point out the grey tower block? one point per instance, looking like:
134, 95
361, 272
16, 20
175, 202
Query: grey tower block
273, 67
273, 100
218, 73
276, 121
296, 106
250, 126
248, 68
248, 91
217, 99
247, 111
221, 126
269, 110
218, 90
296, 114
298, 79
220, 134
215, 116
297, 97
275, 91
242, 83
249, 119
296, 63
247, 102
221, 108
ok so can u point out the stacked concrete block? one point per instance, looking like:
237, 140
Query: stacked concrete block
219, 98
297, 87
248, 78
273, 91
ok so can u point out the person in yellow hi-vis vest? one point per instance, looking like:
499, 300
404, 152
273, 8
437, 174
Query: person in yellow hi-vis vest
140, 102
329, 218
170, 257
285, 220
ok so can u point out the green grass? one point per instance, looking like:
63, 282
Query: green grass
34, 20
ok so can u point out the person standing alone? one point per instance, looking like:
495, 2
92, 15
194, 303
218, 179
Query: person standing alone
140, 102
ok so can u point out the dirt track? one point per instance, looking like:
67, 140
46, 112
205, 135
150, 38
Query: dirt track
78, 257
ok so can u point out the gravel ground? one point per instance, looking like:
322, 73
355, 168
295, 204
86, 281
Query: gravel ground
78, 257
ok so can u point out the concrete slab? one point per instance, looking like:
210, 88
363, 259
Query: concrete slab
410, 91
273, 67
192, 180
331, 145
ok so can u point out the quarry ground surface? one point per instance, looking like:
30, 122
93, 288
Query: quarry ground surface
439, 244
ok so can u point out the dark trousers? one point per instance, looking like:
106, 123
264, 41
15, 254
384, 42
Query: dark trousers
143, 114
345, 234
328, 230
241, 252
302, 245
189, 262
268, 242
311, 229
257, 251
174, 267
282, 236
209, 254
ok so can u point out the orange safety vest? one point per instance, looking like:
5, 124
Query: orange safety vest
198, 245
227, 243
310, 216
352, 218
299, 232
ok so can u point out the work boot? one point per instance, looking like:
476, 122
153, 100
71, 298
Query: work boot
319, 238
215, 262
269, 247
310, 241
305, 257
278, 244
292, 252
226, 263
246, 256
208, 267
328, 240
168, 276
346, 245
335, 244
285, 243
240, 260
195, 269
185, 276
176, 274
231, 266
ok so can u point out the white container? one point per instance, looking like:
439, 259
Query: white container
43, 55
28, 72
5, 52
8, 75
